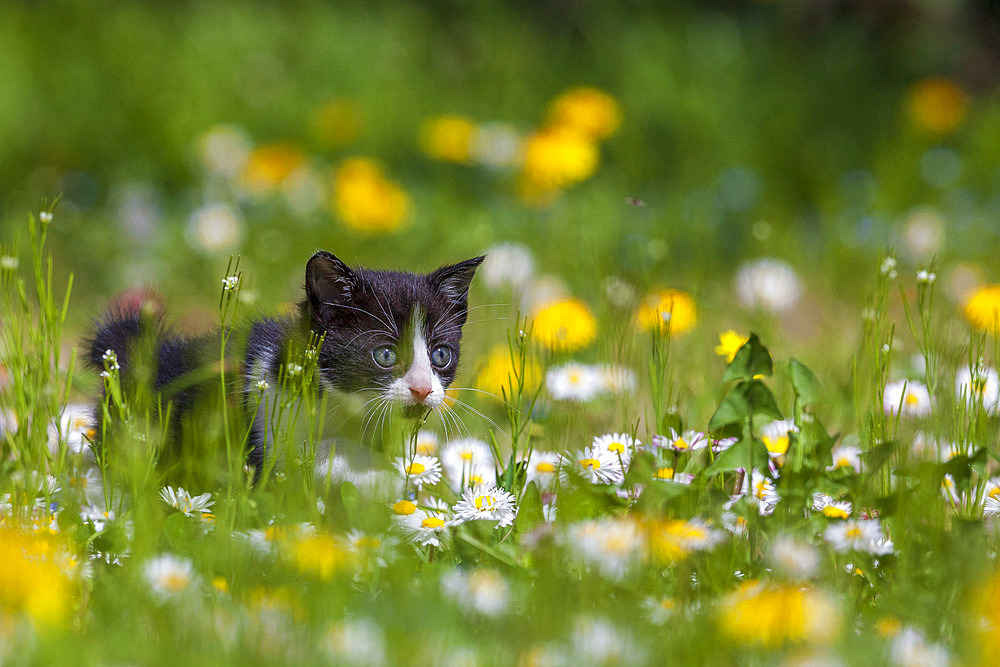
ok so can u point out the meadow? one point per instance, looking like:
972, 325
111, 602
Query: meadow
728, 389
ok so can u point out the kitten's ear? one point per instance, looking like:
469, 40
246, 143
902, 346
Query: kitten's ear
329, 283
453, 281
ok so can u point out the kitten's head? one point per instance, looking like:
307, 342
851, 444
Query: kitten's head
394, 332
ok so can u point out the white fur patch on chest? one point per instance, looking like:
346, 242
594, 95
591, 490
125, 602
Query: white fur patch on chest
419, 385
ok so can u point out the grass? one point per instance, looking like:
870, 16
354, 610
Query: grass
651, 544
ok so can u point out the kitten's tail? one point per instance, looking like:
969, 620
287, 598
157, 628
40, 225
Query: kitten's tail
129, 315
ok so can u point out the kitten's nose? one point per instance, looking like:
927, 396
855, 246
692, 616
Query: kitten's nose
420, 393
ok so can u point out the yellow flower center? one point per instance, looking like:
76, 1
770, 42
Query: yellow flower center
911, 399
843, 462
761, 489
994, 492
415, 468
616, 447
466, 456
175, 581
776, 445
432, 522
834, 512
475, 479
664, 473
680, 444
590, 464
853, 533
574, 378
404, 507
545, 466
485, 503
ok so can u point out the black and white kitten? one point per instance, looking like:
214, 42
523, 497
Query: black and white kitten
392, 332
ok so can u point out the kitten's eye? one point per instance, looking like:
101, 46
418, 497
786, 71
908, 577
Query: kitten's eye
384, 356
441, 356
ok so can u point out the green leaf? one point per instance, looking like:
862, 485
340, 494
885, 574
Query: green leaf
529, 512
507, 478
878, 456
671, 420
751, 360
179, 530
351, 497
752, 450
805, 384
743, 401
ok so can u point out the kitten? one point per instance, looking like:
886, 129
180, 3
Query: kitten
392, 332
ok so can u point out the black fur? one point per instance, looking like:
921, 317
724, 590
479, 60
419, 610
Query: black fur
356, 311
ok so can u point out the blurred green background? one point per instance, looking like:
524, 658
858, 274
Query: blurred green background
811, 131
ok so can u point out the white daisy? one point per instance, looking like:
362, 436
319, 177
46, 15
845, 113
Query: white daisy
991, 498
168, 576
574, 382
182, 501
486, 503
688, 441
423, 527
357, 642
612, 546
597, 466
483, 591
770, 284
910, 649
468, 462
734, 523
507, 264
618, 379
910, 398
846, 456
76, 425
421, 471
620, 445
541, 468
719, 446
979, 385
427, 443
96, 517
761, 491
854, 535
834, 509
796, 559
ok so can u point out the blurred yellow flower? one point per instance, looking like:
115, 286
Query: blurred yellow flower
320, 555
937, 105
365, 200
587, 111
447, 138
730, 343
982, 309
674, 539
268, 166
30, 580
336, 123
556, 158
670, 309
498, 373
773, 615
564, 326
985, 618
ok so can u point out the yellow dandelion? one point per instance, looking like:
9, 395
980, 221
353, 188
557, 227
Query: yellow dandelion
31, 582
730, 343
556, 158
982, 309
564, 326
320, 555
448, 138
268, 166
985, 618
775, 615
365, 200
587, 111
404, 507
937, 105
336, 123
498, 373
670, 309
675, 539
